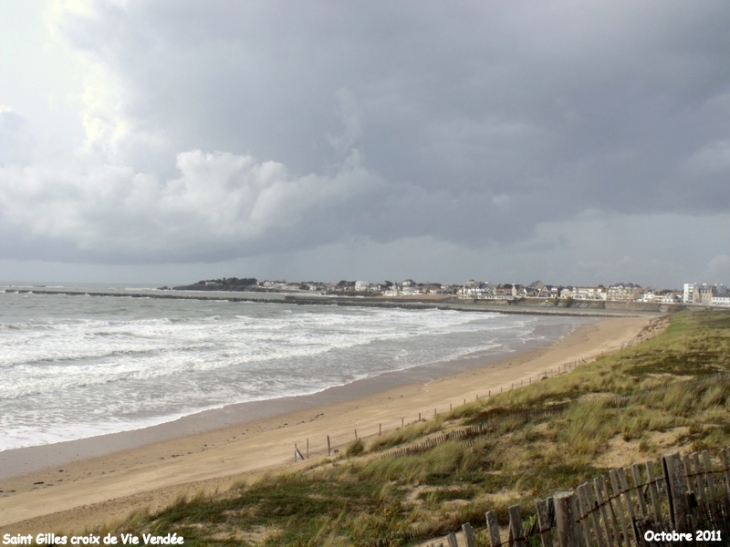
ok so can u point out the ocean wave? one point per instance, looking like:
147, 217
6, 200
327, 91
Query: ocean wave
72, 365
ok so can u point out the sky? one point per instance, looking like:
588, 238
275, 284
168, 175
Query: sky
167, 141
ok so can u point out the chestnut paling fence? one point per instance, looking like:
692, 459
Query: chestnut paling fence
676, 500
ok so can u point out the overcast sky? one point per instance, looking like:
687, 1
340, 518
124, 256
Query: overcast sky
166, 141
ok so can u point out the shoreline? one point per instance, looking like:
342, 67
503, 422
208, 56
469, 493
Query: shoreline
30, 459
100, 488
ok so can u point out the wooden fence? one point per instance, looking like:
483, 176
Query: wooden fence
328, 445
677, 500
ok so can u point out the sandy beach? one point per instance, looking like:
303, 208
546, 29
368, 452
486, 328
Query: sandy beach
80, 485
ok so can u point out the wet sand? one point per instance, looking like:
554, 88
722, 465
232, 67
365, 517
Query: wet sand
100, 480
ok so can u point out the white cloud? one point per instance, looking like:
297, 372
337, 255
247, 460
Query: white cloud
220, 202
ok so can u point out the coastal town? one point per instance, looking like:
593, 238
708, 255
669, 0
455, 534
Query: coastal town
703, 294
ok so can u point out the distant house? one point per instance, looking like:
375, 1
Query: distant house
663, 296
566, 292
406, 288
671, 297
519, 291
316, 286
532, 291
704, 295
504, 292
627, 292
409, 291
475, 289
549, 291
589, 293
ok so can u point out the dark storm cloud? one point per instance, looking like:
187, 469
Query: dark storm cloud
238, 128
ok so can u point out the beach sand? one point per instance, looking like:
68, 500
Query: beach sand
97, 490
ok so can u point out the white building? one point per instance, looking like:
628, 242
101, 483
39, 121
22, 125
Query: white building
688, 294
589, 293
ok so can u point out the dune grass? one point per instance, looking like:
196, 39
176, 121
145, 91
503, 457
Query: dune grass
407, 434
665, 390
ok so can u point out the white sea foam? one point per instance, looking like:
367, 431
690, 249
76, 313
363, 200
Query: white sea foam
76, 367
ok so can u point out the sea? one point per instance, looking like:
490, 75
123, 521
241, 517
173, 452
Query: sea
79, 366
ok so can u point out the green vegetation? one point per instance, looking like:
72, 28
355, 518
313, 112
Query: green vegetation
629, 406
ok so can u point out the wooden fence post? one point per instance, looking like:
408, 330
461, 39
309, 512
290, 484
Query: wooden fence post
468, 534
592, 501
619, 503
584, 512
493, 529
629, 502
677, 490
709, 475
545, 521
653, 491
709, 479
638, 484
726, 470
689, 460
612, 534
451, 538
329, 447
515, 526
566, 519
